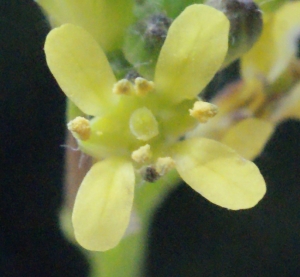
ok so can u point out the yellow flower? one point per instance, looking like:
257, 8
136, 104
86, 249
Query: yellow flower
269, 90
136, 127
277, 46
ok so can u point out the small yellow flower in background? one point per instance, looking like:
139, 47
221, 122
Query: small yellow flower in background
106, 20
277, 46
269, 90
275, 62
136, 127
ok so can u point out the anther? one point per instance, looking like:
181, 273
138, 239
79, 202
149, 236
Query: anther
203, 111
142, 155
80, 128
123, 87
164, 165
149, 174
143, 86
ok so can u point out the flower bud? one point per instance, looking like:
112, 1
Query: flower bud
245, 25
144, 41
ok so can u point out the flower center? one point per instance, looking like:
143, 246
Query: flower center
140, 116
143, 125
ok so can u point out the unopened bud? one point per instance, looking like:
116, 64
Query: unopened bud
156, 30
144, 41
245, 25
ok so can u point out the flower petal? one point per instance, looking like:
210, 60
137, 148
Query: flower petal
286, 35
248, 137
106, 20
219, 173
260, 59
103, 204
194, 50
80, 68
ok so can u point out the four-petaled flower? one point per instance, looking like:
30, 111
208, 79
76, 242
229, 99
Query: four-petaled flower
137, 127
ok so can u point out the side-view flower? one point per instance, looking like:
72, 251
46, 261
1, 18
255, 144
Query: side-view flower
268, 91
135, 127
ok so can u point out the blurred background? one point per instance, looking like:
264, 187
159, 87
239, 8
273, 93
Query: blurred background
188, 236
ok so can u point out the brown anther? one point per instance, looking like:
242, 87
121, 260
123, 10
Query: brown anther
150, 174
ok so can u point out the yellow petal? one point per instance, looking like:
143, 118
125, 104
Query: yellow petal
103, 204
277, 45
194, 50
80, 68
106, 20
260, 59
219, 174
248, 137
286, 35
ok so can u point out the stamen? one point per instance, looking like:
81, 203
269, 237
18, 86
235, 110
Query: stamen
164, 165
142, 155
203, 111
123, 87
143, 86
80, 128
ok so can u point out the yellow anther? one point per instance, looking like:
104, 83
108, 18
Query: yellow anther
164, 165
80, 128
123, 87
142, 155
203, 111
143, 86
